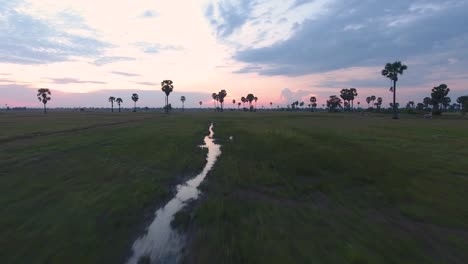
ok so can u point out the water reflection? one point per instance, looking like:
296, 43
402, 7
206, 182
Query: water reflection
161, 243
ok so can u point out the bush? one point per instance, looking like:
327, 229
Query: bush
438, 112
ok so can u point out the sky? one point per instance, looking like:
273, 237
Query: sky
281, 51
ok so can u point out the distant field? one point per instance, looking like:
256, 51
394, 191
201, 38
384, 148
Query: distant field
289, 188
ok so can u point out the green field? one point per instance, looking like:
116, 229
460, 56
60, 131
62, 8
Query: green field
290, 187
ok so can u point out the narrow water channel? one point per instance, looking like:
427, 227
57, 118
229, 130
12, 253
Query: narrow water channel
161, 243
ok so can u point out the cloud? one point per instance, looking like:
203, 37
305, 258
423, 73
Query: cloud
128, 74
73, 81
111, 59
146, 83
287, 96
227, 16
362, 33
149, 14
153, 48
30, 40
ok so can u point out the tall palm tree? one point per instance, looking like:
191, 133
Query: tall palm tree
200, 103
379, 103
352, 94
438, 93
243, 100
250, 98
255, 99
135, 99
182, 99
391, 71
313, 100
368, 100
238, 105
43, 95
234, 102
112, 100
221, 95
271, 104
119, 101
167, 86
372, 98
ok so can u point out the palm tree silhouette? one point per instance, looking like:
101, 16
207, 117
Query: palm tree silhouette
112, 100
379, 103
250, 98
182, 99
43, 95
438, 93
167, 87
135, 99
352, 94
221, 95
368, 100
234, 102
243, 100
255, 99
271, 104
200, 103
313, 100
391, 71
119, 101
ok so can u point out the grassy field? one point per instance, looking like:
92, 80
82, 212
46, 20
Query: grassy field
290, 187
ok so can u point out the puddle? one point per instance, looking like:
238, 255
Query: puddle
161, 243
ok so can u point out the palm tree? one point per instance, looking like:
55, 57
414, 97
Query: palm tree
352, 94
379, 103
182, 99
43, 95
255, 99
438, 93
135, 99
112, 100
119, 101
368, 100
167, 87
238, 105
372, 98
250, 98
313, 100
427, 101
302, 104
221, 95
234, 102
271, 104
200, 103
243, 100
391, 71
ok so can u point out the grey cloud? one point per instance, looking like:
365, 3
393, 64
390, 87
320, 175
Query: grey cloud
249, 69
149, 14
73, 80
29, 40
231, 15
395, 32
156, 47
106, 60
128, 74
146, 83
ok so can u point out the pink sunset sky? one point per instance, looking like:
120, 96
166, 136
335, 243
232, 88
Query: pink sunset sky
281, 51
